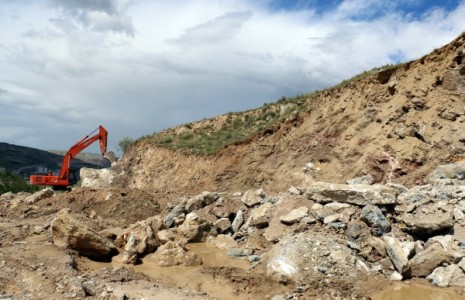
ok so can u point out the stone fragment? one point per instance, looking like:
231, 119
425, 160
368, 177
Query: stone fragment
430, 219
447, 276
356, 229
458, 214
259, 216
373, 216
238, 221
40, 195
251, 198
173, 214
294, 191
396, 254
448, 171
395, 276
223, 242
294, 215
97, 178
359, 194
193, 229
332, 218
425, 262
222, 225
366, 179
200, 201
67, 232
139, 240
173, 254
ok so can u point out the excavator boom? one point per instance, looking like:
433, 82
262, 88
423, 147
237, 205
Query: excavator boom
63, 179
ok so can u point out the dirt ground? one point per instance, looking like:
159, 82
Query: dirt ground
32, 267
396, 126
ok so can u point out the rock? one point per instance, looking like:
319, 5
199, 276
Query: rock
447, 276
357, 229
240, 253
336, 206
308, 220
96, 178
332, 218
294, 215
259, 217
166, 235
449, 171
200, 201
366, 179
193, 229
139, 240
425, 262
40, 195
68, 233
172, 254
395, 276
396, 254
238, 221
251, 198
173, 214
359, 194
458, 214
307, 255
373, 216
430, 219
294, 191
223, 242
409, 249
223, 225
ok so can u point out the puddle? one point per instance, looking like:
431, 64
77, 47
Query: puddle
193, 277
414, 291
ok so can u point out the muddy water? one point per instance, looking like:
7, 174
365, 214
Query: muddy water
195, 277
417, 290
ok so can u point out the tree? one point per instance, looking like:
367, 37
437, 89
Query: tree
125, 143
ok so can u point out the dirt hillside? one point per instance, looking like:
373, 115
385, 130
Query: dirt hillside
396, 124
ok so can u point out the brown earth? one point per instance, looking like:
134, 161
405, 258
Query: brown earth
396, 125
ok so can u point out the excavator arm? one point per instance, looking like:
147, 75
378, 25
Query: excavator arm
63, 179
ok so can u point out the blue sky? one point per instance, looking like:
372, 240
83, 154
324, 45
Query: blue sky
139, 66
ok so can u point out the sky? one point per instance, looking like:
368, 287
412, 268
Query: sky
140, 66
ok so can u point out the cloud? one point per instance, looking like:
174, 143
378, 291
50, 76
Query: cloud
97, 15
215, 31
140, 66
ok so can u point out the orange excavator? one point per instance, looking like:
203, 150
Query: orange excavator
64, 179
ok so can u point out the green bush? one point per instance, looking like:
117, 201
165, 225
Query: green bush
12, 182
125, 143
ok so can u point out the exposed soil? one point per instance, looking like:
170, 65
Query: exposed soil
396, 125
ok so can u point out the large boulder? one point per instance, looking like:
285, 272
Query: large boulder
430, 219
200, 201
67, 232
397, 254
309, 255
426, 261
95, 178
373, 216
449, 171
173, 254
194, 229
40, 195
139, 240
451, 275
359, 194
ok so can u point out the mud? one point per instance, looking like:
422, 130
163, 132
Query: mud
417, 290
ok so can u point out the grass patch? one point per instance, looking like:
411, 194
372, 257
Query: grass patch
208, 136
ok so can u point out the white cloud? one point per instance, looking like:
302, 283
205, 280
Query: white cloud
140, 66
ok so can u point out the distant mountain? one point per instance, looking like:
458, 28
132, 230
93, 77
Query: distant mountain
25, 159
